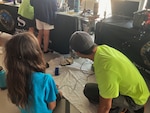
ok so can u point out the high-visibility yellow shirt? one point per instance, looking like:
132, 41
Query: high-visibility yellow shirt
26, 10
116, 74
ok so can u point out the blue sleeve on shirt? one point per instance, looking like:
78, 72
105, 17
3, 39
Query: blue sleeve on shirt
51, 90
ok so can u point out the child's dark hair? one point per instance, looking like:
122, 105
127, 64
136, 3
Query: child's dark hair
23, 56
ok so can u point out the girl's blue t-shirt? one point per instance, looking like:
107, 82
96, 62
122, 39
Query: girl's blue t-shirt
44, 91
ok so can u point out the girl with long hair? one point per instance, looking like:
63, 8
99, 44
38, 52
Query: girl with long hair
29, 87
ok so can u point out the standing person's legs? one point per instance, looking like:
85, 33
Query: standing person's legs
46, 40
40, 35
39, 26
47, 28
44, 31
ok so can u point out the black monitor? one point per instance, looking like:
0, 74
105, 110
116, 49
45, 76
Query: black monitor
124, 8
148, 4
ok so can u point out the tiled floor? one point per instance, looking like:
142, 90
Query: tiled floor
63, 107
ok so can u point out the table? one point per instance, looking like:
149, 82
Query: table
71, 82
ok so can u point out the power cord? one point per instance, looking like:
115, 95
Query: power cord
86, 71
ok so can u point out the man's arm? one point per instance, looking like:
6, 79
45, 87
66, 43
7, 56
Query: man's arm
104, 105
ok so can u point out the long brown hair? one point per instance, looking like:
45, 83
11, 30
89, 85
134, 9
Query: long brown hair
23, 56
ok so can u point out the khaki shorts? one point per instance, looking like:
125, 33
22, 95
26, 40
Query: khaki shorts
42, 25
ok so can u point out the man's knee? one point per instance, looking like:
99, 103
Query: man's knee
91, 92
90, 88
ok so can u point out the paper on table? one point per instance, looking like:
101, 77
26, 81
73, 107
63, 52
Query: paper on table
72, 80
